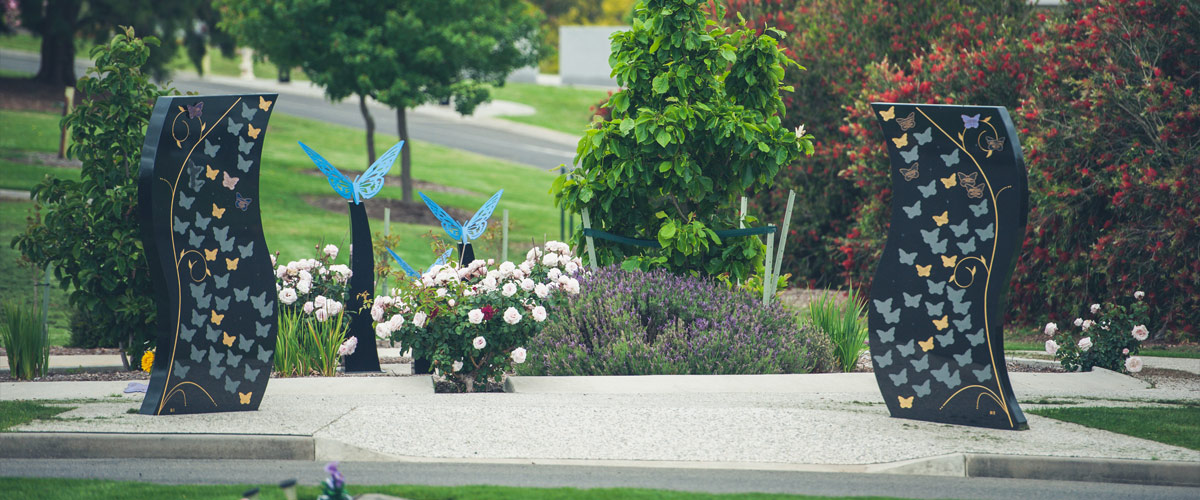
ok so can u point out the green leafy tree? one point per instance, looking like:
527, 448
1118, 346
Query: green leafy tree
402, 54
696, 126
89, 232
60, 23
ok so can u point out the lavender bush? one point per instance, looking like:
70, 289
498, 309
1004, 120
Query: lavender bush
650, 323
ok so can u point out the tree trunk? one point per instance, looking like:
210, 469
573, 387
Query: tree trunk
58, 43
406, 184
362, 106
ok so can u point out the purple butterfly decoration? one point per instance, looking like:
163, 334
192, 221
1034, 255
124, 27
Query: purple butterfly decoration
970, 121
242, 202
195, 110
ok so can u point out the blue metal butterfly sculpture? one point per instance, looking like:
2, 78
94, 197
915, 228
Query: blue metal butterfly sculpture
474, 228
441, 261
363, 186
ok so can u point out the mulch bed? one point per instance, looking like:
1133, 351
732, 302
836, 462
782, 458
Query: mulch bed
410, 213
23, 94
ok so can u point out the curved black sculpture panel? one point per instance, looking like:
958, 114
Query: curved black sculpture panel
959, 208
202, 233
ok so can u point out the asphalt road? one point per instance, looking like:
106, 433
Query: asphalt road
361, 474
489, 141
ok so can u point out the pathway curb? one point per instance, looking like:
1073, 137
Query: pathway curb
56, 445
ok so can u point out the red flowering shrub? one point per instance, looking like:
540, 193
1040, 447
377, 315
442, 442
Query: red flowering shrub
837, 41
1105, 102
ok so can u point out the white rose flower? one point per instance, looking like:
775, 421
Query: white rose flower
377, 312
527, 285
287, 296
1051, 347
518, 355
322, 314
509, 289
511, 316
293, 267
572, 286
1051, 329
1139, 295
382, 331
281, 271
304, 286
1085, 344
308, 307
533, 254
1078, 321
479, 342
572, 267
319, 302
1095, 308
333, 307
451, 302
1087, 324
550, 259
441, 292
539, 314
419, 319
519, 275
526, 267
396, 322
554, 274
305, 275
541, 290
475, 316
1133, 364
507, 268
1141, 333
331, 251
272, 259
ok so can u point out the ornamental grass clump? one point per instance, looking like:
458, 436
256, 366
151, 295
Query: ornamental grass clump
845, 322
312, 315
21, 336
650, 323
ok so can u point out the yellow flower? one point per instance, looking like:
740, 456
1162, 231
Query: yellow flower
147, 361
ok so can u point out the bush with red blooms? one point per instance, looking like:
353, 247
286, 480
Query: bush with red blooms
837, 41
1105, 102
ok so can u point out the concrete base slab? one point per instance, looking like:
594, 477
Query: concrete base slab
339, 386
165, 446
67, 390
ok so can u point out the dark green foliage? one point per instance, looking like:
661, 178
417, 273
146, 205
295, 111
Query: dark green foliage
697, 125
656, 323
21, 336
89, 232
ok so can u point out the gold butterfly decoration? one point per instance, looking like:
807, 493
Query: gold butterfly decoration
906, 402
217, 318
252, 132
211, 173
244, 397
924, 270
926, 345
227, 339
210, 255
949, 182
901, 141
907, 122
941, 220
232, 263
949, 261
888, 114
910, 173
941, 324
264, 104
218, 212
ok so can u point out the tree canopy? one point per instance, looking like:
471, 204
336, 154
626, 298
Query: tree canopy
402, 54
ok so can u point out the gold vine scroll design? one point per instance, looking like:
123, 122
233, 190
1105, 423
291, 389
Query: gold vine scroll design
998, 394
169, 391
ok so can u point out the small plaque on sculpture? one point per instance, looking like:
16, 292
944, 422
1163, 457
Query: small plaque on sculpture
959, 208
198, 205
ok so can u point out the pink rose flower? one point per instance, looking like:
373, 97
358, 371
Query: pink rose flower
511, 316
1133, 364
419, 320
518, 355
475, 316
1085, 344
1141, 333
347, 348
1051, 347
1051, 329
479, 342
1125, 351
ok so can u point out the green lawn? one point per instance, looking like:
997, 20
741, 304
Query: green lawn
565, 109
1178, 426
14, 413
70, 489
290, 224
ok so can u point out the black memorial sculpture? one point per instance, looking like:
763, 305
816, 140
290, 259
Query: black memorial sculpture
960, 202
202, 233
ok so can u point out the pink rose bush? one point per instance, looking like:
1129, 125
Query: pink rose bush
1109, 339
477, 314
312, 319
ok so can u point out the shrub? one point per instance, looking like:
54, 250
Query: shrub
312, 322
1105, 103
89, 232
653, 323
696, 126
837, 41
1110, 340
844, 321
21, 336
479, 317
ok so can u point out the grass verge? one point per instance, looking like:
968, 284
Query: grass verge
52, 489
1174, 426
14, 413
565, 109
